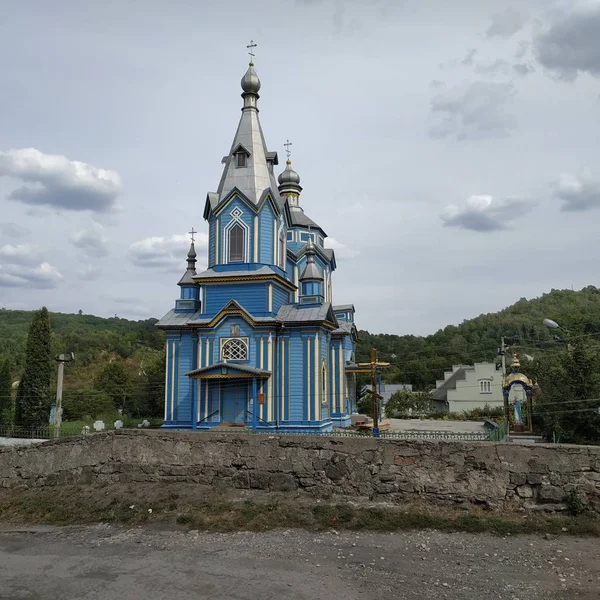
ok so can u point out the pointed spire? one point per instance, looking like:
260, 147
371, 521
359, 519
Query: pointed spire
249, 165
188, 276
311, 271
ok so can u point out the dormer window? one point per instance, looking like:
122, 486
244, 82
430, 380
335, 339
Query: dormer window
241, 160
241, 155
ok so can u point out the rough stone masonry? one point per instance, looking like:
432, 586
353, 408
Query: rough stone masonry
496, 474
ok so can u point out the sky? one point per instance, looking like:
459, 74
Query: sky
451, 150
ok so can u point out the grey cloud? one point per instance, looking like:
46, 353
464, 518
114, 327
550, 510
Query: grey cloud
469, 58
12, 230
44, 276
498, 67
165, 253
507, 23
523, 69
55, 181
578, 193
91, 241
483, 213
571, 45
89, 272
521, 49
476, 110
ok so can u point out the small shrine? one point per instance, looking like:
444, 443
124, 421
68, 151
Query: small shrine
517, 389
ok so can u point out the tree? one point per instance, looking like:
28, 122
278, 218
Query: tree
33, 396
566, 407
6, 407
115, 381
87, 404
404, 402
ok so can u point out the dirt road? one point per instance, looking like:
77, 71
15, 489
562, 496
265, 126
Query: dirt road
104, 562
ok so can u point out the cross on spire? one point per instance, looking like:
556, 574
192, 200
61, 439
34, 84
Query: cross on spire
192, 232
287, 148
251, 46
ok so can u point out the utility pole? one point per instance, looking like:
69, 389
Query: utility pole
373, 365
61, 359
503, 355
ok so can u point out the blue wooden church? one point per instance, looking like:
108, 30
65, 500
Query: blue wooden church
255, 339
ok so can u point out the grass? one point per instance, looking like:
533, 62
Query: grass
135, 506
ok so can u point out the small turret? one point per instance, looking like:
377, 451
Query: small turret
189, 300
311, 280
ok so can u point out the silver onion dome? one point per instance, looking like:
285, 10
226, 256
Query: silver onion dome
250, 81
288, 175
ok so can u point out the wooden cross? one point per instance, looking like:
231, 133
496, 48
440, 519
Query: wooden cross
251, 45
287, 148
192, 232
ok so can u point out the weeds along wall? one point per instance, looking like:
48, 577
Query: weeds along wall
536, 477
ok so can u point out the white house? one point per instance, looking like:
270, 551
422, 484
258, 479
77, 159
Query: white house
469, 386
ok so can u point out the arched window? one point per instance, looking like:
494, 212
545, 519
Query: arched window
236, 243
234, 349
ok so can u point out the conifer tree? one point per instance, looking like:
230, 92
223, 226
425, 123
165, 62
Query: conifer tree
5, 393
33, 395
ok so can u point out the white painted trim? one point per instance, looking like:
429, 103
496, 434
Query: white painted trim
333, 403
296, 283
270, 368
270, 298
236, 220
308, 389
217, 245
255, 238
172, 379
244, 340
341, 394
316, 380
167, 382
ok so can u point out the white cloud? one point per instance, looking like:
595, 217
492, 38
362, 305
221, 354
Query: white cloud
55, 181
571, 44
22, 254
508, 22
91, 241
161, 252
475, 110
89, 272
483, 213
579, 193
43, 276
342, 252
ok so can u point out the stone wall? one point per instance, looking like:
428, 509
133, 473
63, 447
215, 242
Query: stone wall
537, 476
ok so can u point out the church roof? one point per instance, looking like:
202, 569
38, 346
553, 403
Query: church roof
223, 370
176, 319
292, 313
257, 176
298, 218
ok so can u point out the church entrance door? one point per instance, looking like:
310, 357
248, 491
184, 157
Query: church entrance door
234, 399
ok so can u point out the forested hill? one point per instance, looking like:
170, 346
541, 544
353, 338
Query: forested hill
94, 340
416, 360
422, 360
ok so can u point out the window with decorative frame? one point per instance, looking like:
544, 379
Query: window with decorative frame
485, 386
234, 349
237, 243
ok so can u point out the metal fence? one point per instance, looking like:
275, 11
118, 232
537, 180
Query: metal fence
496, 433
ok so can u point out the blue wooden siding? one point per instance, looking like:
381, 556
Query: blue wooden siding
265, 244
280, 297
252, 296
